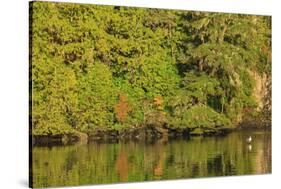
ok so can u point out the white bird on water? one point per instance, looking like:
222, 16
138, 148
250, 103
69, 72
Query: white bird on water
249, 139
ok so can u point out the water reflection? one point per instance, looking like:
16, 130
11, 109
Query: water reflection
98, 163
249, 147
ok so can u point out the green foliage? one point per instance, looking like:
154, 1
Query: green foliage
200, 87
96, 96
201, 117
158, 77
176, 68
205, 117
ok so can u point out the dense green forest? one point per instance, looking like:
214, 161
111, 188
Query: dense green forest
109, 68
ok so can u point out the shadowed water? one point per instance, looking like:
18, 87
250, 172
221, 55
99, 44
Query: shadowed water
99, 163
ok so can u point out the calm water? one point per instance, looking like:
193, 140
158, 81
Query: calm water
98, 163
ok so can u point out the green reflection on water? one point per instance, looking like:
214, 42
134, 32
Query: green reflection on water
138, 161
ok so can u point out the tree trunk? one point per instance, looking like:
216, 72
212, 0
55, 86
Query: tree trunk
200, 65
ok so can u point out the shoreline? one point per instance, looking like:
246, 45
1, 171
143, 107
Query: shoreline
135, 134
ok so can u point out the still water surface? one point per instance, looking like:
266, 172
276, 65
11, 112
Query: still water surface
99, 163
